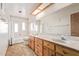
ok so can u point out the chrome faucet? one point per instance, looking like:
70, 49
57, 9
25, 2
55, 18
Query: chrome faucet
63, 38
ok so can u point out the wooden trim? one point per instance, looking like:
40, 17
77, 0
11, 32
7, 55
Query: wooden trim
34, 44
36, 7
55, 49
43, 9
42, 48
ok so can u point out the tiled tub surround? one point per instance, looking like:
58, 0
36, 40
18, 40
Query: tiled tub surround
70, 41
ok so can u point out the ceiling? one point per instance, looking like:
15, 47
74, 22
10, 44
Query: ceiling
18, 9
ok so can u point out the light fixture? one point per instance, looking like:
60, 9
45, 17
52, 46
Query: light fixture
39, 9
20, 11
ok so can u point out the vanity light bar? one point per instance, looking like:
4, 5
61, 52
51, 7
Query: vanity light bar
41, 8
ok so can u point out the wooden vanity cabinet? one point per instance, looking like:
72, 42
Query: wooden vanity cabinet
64, 51
48, 48
32, 42
38, 46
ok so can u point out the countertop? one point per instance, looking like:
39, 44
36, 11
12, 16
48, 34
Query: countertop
71, 41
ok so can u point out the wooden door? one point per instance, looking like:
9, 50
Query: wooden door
75, 24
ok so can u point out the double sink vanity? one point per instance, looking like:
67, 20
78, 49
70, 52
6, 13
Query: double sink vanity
46, 45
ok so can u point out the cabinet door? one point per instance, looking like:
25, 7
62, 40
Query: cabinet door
38, 46
51, 52
59, 49
38, 51
49, 45
45, 51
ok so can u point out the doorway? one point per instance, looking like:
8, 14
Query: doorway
17, 29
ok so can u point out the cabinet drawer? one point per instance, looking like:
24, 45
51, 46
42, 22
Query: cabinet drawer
49, 45
46, 43
38, 41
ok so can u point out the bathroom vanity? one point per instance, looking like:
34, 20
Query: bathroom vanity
49, 46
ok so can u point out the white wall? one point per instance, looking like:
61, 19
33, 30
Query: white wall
3, 41
59, 22
3, 44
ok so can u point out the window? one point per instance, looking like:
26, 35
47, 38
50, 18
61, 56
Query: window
3, 27
31, 26
23, 26
34, 27
16, 27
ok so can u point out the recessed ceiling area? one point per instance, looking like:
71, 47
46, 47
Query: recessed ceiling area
18, 9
